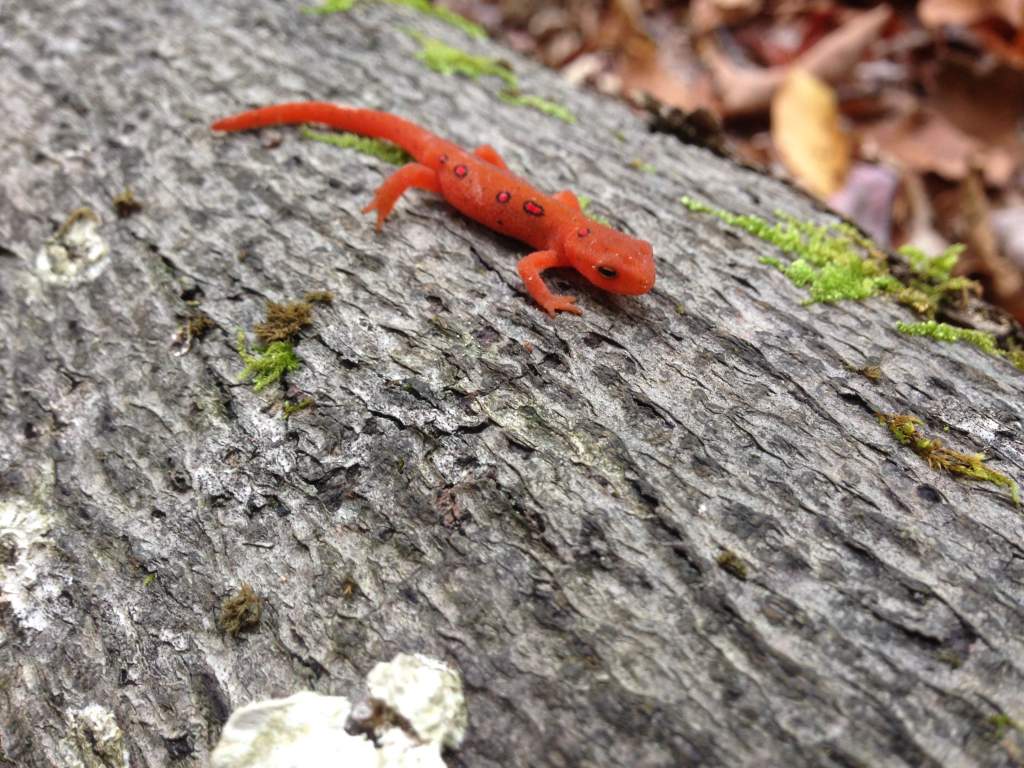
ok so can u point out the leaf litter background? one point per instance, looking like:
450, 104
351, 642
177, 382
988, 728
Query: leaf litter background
906, 118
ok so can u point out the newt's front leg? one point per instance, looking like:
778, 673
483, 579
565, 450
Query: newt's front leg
569, 198
411, 175
530, 268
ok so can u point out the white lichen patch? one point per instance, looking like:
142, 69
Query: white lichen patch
23, 546
425, 692
304, 729
76, 253
94, 740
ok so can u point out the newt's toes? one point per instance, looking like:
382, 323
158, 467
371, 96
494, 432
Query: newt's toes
562, 304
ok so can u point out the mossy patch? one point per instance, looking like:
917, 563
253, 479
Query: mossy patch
733, 564
448, 60
446, 15
319, 297
1002, 723
331, 6
643, 166
284, 321
382, 150
264, 367
872, 373
126, 204
241, 611
1016, 356
986, 342
290, 408
906, 429
538, 103
585, 201
198, 325
833, 261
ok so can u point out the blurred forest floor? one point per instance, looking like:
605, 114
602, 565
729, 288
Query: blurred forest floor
907, 118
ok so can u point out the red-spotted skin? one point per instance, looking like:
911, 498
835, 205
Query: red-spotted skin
480, 186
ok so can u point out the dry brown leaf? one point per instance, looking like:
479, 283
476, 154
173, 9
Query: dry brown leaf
1004, 43
807, 134
962, 13
708, 15
926, 141
745, 90
1006, 281
921, 231
923, 142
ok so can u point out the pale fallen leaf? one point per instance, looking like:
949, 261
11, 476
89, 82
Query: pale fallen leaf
745, 90
807, 134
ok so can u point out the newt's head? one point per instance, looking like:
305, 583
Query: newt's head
609, 259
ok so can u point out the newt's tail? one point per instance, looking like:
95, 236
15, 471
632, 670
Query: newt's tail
365, 122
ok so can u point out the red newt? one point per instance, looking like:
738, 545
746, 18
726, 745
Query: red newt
480, 185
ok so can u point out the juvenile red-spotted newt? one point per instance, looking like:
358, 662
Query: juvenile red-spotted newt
480, 185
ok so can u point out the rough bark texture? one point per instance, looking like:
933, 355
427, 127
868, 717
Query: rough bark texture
540, 503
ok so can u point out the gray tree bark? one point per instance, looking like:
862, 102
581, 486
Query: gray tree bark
540, 503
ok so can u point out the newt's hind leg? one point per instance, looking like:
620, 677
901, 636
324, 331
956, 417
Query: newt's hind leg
489, 154
411, 175
569, 198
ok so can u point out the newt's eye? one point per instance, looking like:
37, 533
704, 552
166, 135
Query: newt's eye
607, 272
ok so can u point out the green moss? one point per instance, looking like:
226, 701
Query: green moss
935, 269
448, 60
149, 579
1002, 723
643, 167
906, 430
331, 6
382, 150
267, 366
444, 14
421, 6
1016, 356
986, 342
732, 564
240, 611
290, 409
585, 201
540, 104
834, 262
